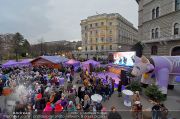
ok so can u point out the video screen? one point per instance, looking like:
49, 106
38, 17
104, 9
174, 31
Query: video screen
124, 58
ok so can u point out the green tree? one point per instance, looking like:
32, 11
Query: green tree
25, 48
18, 41
138, 47
154, 93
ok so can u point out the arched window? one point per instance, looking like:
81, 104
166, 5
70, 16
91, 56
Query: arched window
176, 29
153, 13
177, 5
157, 12
152, 34
157, 33
154, 50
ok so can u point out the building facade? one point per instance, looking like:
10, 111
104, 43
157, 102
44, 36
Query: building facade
159, 26
106, 33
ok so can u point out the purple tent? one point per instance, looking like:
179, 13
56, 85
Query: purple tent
73, 62
94, 63
25, 62
86, 64
10, 63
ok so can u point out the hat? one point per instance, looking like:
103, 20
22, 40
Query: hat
39, 96
58, 108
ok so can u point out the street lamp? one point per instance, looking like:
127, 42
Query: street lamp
119, 47
79, 49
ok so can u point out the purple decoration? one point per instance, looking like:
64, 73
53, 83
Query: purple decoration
177, 78
163, 66
10, 63
112, 75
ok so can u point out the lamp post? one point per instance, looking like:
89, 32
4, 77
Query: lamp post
79, 49
119, 47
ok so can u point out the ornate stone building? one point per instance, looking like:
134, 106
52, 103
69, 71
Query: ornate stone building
159, 26
106, 33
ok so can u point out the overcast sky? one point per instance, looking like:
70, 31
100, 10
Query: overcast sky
55, 20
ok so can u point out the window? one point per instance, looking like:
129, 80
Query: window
90, 25
85, 41
152, 34
102, 39
102, 23
110, 39
157, 12
91, 32
156, 33
154, 50
85, 27
110, 23
110, 32
85, 34
96, 32
96, 24
96, 47
153, 13
110, 47
91, 40
176, 29
177, 5
96, 39
86, 48
91, 47
102, 47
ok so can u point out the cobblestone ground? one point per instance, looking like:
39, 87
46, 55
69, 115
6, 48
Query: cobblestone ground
172, 103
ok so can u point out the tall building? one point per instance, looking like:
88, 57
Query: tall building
106, 33
159, 26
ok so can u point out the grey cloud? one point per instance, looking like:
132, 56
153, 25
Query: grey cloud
58, 19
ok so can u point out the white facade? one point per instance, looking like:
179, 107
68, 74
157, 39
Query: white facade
106, 33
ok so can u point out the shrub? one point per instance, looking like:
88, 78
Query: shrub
134, 86
154, 93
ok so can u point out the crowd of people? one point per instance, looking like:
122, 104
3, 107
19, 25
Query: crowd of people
42, 93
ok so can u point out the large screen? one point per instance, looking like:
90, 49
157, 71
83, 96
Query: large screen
124, 58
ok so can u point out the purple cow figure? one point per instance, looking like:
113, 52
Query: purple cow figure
165, 69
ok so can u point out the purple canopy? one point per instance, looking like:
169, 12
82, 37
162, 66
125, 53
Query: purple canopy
25, 62
86, 64
94, 63
73, 62
10, 63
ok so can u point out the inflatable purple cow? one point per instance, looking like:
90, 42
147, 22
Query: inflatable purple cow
165, 68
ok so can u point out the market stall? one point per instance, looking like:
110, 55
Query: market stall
74, 63
90, 65
10, 63
49, 61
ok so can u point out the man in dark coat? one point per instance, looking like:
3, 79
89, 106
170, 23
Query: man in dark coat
114, 114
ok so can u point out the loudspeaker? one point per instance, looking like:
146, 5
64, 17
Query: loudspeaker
124, 77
